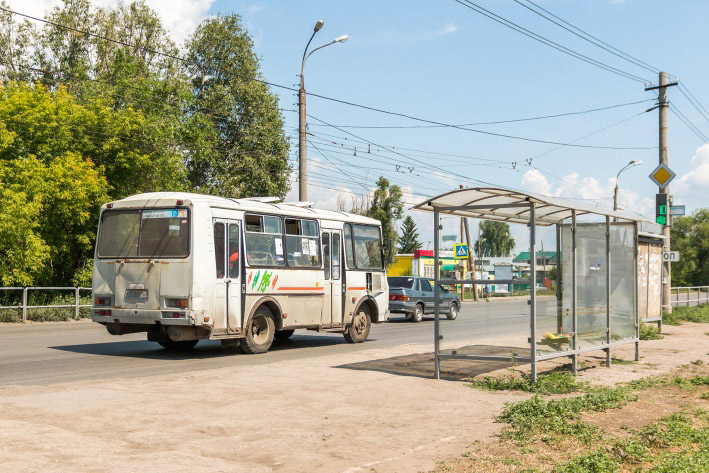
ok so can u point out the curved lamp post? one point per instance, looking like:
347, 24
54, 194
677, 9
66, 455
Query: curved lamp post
615, 193
302, 151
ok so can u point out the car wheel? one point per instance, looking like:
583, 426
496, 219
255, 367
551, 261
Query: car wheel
417, 316
259, 332
453, 313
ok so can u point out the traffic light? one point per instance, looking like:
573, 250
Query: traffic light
661, 212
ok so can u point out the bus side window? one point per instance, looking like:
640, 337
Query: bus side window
326, 253
336, 256
233, 251
349, 253
219, 252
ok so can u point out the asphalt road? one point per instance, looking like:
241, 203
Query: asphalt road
62, 352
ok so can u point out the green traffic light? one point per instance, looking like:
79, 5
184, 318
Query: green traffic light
663, 210
662, 220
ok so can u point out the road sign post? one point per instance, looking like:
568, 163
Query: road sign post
661, 214
670, 256
460, 251
676, 210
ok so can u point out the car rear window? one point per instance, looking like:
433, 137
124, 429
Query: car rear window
402, 282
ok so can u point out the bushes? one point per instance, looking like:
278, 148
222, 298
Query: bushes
697, 314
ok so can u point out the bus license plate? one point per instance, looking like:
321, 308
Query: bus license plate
137, 293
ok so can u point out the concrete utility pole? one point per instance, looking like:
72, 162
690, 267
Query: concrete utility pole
662, 106
462, 236
302, 138
471, 253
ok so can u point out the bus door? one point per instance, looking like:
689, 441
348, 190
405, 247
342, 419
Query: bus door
227, 296
332, 299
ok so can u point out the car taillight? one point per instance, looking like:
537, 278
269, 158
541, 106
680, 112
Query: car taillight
181, 303
398, 297
103, 312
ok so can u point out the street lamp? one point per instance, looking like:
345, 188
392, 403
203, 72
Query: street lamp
302, 152
615, 193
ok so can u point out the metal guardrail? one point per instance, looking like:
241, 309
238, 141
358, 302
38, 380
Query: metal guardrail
687, 292
23, 306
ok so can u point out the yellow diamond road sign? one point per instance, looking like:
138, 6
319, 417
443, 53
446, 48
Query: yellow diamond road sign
662, 176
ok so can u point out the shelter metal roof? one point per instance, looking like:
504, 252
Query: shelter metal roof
508, 205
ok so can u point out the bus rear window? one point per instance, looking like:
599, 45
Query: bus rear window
144, 233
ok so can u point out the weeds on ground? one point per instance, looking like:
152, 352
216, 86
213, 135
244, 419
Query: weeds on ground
698, 314
554, 418
650, 332
552, 383
676, 443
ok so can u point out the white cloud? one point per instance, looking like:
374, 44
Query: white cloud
589, 190
536, 182
393, 36
179, 17
447, 29
695, 183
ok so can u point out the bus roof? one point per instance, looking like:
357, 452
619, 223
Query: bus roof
169, 199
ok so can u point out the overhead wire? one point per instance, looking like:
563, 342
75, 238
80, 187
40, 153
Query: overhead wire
509, 24
543, 117
692, 127
587, 36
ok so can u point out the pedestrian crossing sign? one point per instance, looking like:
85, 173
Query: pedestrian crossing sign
461, 250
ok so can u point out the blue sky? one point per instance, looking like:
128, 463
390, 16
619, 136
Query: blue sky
444, 62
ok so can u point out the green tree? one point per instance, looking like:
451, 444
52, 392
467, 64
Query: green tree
387, 207
690, 236
409, 239
47, 218
250, 153
495, 239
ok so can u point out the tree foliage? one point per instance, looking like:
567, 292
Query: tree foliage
409, 239
85, 119
690, 236
387, 207
495, 239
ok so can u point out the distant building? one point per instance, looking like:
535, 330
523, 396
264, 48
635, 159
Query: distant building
546, 259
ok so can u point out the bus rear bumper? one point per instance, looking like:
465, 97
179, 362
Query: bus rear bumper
142, 317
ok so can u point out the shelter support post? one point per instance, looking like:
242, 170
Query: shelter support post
635, 297
574, 294
533, 291
436, 323
559, 309
608, 291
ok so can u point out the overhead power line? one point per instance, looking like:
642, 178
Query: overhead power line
587, 36
542, 117
546, 41
693, 100
692, 127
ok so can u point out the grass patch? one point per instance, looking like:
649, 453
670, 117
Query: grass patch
553, 383
650, 332
555, 418
697, 314
617, 361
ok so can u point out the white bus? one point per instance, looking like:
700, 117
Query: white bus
185, 267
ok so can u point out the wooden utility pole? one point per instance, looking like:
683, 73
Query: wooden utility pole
662, 106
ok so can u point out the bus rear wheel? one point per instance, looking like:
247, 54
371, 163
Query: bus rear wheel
169, 344
259, 332
358, 331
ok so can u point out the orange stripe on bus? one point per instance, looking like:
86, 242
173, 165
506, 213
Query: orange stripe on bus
301, 288
356, 288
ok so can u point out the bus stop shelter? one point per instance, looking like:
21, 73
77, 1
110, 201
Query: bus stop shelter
596, 292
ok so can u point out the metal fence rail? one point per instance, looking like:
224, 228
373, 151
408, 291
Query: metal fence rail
689, 295
25, 290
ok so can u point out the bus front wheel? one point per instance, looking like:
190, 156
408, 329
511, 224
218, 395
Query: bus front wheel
259, 332
358, 330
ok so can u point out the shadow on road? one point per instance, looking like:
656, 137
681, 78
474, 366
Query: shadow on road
204, 349
421, 365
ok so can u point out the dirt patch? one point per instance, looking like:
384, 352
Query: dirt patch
422, 364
